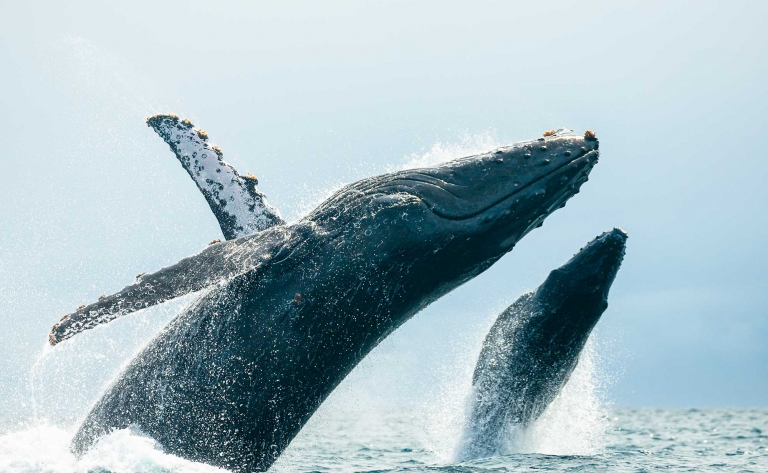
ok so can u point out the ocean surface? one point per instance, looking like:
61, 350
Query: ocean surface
376, 422
626, 440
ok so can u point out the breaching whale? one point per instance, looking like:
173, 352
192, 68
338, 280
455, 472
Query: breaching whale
292, 309
534, 345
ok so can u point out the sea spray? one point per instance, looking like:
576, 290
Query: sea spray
45, 448
312, 194
440, 152
576, 421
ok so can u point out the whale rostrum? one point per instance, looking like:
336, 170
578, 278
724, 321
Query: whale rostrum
292, 309
534, 346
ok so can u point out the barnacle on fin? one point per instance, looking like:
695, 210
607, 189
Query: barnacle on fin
214, 242
590, 135
202, 134
252, 177
549, 133
164, 116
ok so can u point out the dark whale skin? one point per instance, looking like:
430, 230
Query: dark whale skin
534, 346
230, 381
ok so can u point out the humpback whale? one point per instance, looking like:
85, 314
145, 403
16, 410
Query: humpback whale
534, 345
292, 309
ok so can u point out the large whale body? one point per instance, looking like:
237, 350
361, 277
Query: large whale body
534, 345
291, 310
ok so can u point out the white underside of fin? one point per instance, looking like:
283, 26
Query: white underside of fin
234, 199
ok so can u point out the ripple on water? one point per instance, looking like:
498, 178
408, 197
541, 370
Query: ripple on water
669, 440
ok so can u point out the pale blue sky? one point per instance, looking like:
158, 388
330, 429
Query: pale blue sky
309, 95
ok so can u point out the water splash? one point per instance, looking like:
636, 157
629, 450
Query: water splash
441, 152
45, 448
468, 144
575, 423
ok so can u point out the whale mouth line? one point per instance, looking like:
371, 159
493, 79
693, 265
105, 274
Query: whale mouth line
501, 199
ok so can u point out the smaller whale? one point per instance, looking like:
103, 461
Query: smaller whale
534, 346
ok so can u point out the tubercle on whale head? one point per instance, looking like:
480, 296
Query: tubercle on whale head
476, 207
498, 197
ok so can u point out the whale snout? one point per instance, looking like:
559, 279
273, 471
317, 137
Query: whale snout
541, 170
597, 264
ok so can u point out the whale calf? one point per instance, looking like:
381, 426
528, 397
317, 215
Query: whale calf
291, 310
534, 345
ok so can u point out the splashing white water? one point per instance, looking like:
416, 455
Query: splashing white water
575, 423
45, 448
441, 152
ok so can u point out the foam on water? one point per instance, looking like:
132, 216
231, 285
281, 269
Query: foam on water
45, 448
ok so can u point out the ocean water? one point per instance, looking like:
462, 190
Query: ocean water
363, 427
634, 440
353, 431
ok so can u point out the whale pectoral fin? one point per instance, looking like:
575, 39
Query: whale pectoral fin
214, 264
238, 205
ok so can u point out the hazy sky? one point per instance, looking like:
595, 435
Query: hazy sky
308, 96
